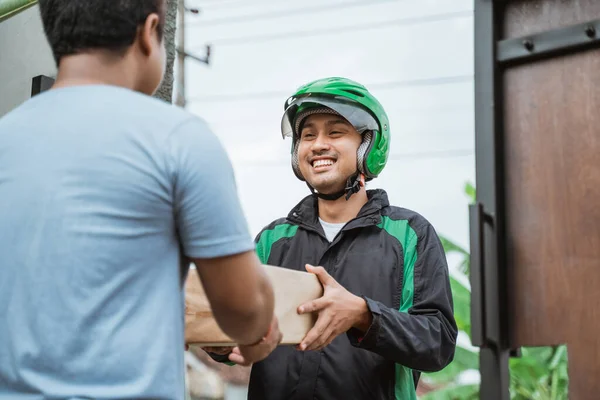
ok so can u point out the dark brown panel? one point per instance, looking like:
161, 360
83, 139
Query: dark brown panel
552, 167
524, 17
584, 346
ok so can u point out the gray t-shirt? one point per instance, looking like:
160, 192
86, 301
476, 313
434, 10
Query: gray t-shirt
100, 187
331, 229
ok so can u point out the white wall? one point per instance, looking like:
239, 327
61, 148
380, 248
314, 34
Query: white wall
24, 53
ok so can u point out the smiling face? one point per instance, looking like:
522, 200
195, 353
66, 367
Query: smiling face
327, 152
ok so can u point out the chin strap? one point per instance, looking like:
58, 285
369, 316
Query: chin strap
353, 185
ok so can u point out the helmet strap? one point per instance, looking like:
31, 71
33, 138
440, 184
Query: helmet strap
353, 185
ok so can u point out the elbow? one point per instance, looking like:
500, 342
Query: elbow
440, 356
440, 360
435, 361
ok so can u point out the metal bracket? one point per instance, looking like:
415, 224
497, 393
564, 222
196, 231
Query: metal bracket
40, 84
550, 43
205, 60
478, 217
476, 275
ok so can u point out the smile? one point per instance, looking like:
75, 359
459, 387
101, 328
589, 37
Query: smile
322, 163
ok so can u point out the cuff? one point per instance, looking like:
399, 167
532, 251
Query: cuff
221, 358
369, 339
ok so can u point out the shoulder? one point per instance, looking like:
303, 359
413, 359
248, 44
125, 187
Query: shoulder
408, 226
156, 116
175, 120
276, 230
414, 219
188, 140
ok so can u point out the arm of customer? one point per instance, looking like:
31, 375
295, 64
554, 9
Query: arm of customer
240, 295
214, 234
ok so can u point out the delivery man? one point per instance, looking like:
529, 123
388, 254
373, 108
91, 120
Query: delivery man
386, 313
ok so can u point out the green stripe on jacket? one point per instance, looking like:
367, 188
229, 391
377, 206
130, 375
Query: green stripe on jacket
269, 236
401, 230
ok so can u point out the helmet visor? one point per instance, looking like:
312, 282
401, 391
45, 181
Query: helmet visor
358, 117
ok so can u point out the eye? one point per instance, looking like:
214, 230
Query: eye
307, 135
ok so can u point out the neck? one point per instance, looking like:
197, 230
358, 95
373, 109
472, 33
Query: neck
96, 68
342, 210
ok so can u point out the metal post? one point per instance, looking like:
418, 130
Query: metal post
490, 323
180, 100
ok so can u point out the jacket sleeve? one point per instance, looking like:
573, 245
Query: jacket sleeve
422, 334
224, 359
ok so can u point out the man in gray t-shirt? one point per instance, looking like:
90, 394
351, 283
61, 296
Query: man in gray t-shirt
105, 193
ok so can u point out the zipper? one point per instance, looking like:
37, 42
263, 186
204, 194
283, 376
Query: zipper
369, 221
295, 218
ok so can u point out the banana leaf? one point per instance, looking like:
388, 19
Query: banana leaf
9, 8
464, 359
454, 392
462, 305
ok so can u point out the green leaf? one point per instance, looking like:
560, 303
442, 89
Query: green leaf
559, 356
526, 368
9, 8
450, 246
454, 392
541, 374
465, 266
462, 305
470, 191
554, 387
563, 372
464, 359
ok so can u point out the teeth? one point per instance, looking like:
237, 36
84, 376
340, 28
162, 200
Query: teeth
322, 163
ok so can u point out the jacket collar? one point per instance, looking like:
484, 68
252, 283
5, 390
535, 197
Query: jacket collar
306, 212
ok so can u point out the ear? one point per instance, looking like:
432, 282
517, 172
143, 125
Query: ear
148, 34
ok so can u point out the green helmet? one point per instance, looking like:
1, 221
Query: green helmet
352, 101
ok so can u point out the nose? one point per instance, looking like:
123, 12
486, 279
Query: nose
320, 144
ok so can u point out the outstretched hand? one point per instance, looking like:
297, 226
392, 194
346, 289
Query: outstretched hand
247, 355
338, 310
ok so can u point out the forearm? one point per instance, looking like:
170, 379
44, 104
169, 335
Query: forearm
424, 341
249, 323
240, 295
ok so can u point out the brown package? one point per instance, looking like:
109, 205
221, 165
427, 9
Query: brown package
292, 288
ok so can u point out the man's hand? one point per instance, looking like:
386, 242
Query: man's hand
247, 355
338, 309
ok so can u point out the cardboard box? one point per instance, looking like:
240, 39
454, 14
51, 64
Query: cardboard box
292, 288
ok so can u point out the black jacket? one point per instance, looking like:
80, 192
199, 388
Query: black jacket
391, 257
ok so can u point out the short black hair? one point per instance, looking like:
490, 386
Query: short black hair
73, 26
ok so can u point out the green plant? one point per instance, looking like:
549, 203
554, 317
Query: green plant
540, 373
